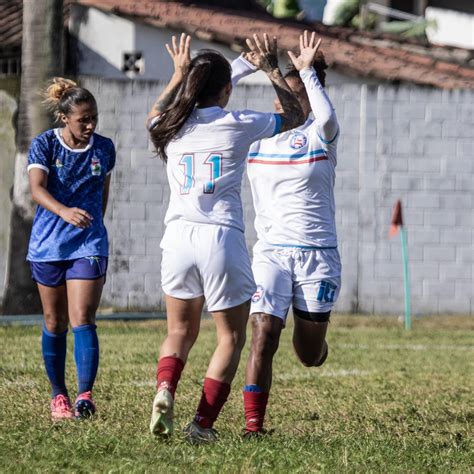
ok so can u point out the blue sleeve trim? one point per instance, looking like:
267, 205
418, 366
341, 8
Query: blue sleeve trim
328, 142
277, 124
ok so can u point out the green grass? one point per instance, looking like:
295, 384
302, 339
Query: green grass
386, 400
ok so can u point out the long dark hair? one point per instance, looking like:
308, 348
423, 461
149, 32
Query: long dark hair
319, 65
209, 72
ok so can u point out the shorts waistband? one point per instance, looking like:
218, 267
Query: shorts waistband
303, 247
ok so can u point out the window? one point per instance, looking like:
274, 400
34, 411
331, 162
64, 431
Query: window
133, 63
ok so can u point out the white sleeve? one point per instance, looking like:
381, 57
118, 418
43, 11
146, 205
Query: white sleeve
259, 125
324, 114
241, 68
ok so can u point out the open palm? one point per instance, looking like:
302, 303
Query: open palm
308, 49
180, 53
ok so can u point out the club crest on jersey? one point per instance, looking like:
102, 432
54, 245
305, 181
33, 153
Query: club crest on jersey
298, 140
257, 296
96, 168
58, 163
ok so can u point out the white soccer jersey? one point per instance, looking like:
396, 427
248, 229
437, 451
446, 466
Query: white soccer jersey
292, 179
206, 161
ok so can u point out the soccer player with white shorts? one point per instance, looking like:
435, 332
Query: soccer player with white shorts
296, 261
204, 255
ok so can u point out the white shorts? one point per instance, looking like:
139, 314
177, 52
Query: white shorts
309, 280
209, 260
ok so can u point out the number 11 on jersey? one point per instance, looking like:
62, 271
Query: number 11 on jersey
214, 161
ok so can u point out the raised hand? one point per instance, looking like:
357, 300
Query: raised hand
263, 55
308, 49
180, 53
181, 59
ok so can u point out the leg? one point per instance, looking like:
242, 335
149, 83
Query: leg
316, 289
266, 331
309, 337
54, 302
84, 297
230, 325
183, 319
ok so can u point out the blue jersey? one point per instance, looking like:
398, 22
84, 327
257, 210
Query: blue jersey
76, 179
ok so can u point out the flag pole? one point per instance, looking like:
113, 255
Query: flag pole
397, 226
406, 277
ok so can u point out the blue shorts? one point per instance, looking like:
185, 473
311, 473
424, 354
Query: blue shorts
56, 273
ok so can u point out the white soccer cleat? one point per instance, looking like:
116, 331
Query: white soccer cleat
195, 434
161, 423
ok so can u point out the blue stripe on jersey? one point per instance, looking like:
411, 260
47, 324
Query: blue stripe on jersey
277, 124
304, 247
287, 156
328, 142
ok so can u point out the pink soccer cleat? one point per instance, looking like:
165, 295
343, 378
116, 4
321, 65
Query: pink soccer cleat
84, 406
61, 408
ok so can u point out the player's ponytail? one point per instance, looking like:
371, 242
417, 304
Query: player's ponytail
319, 65
209, 72
63, 94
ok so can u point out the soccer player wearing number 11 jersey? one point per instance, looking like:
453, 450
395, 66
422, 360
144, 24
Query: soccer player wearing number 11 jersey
204, 254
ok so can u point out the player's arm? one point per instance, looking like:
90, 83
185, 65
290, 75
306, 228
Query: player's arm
105, 194
181, 58
73, 215
241, 67
324, 114
264, 56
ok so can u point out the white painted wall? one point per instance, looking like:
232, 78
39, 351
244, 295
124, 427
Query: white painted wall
103, 38
452, 28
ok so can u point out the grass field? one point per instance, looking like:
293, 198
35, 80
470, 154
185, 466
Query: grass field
385, 401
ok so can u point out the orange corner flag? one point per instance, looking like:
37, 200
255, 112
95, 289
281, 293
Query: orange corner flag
397, 219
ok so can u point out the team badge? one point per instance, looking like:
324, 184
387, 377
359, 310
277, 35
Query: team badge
298, 140
257, 296
96, 168
58, 163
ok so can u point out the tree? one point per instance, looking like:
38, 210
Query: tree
42, 58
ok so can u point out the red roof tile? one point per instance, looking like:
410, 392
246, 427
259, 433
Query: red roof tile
10, 23
346, 50
349, 51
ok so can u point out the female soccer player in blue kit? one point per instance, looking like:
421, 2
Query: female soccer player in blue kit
69, 172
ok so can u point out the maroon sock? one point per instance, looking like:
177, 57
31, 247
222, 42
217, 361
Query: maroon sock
168, 373
214, 395
255, 404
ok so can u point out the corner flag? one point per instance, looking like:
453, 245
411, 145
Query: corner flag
395, 227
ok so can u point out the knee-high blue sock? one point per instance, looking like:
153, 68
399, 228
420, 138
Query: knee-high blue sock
54, 355
86, 354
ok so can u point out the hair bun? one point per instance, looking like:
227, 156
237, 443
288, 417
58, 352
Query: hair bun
57, 87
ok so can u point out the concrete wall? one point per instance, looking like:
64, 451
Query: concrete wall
413, 144
7, 158
397, 143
